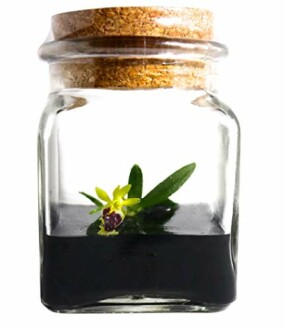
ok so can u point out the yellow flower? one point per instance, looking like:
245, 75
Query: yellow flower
115, 210
118, 203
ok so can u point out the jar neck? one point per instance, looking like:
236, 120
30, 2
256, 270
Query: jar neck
132, 63
130, 74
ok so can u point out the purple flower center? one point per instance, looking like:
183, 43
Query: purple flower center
111, 220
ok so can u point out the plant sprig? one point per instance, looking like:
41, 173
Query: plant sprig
115, 211
168, 187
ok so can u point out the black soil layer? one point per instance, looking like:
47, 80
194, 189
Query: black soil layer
81, 271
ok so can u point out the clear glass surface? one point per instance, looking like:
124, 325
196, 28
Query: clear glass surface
91, 138
97, 143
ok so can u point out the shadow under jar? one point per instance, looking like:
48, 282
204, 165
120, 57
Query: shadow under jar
136, 118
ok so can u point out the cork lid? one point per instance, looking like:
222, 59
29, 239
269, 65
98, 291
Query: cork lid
145, 47
171, 22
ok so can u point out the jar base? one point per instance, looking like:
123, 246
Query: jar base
141, 304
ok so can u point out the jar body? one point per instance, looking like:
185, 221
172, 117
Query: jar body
178, 254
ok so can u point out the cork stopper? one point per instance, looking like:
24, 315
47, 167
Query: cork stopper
190, 23
140, 71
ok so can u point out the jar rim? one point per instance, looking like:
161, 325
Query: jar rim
137, 47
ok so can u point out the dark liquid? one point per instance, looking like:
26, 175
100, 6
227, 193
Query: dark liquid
79, 272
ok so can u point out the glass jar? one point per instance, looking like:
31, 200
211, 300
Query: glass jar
138, 165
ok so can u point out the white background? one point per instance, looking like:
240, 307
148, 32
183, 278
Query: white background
255, 33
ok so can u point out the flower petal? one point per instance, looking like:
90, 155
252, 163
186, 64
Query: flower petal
131, 201
123, 191
102, 194
116, 192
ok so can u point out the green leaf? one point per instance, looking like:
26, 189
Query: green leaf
158, 214
131, 225
169, 204
92, 199
94, 228
168, 187
136, 181
151, 221
96, 210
